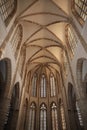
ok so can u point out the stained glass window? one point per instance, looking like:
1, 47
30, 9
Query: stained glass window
7, 9
52, 85
43, 86
32, 117
54, 117
80, 10
43, 117
34, 85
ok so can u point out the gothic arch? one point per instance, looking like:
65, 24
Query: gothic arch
32, 116
73, 113
79, 70
12, 116
43, 116
5, 76
54, 116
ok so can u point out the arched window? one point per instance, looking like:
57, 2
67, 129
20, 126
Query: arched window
52, 85
34, 85
71, 40
16, 40
79, 115
22, 61
79, 8
7, 9
62, 116
32, 117
65, 64
43, 86
43, 117
54, 117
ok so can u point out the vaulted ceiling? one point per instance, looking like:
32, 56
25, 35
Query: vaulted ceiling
43, 24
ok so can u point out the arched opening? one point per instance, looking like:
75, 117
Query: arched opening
34, 85
62, 114
52, 86
11, 122
5, 76
79, 10
73, 110
82, 76
25, 113
54, 117
43, 117
5, 81
7, 10
43, 86
32, 117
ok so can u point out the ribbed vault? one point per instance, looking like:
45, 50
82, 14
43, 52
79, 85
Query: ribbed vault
43, 24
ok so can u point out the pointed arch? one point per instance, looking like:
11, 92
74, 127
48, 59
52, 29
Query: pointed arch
52, 85
12, 115
32, 116
75, 123
43, 85
54, 116
34, 85
43, 117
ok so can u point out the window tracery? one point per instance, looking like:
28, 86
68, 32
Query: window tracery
52, 85
71, 40
54, 117
79, 115
80, 10
7, 9
16, 40
43, 117
34, 85
62, 117
32, 117
43, 86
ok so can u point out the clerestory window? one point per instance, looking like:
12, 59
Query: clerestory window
34, 85
52, 85
79, 8
7, 9
43, 86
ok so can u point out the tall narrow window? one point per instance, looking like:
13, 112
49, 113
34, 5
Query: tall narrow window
65, 64
52, 85
80, 9
43, 117
62, 117
7, 9
43, 86
22, 60
16, 40
54, 117
71, 40
79, 115
34, 85
32, 117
